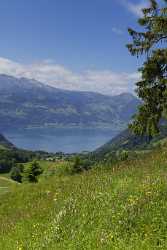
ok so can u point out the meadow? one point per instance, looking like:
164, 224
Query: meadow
120, 206
6, 184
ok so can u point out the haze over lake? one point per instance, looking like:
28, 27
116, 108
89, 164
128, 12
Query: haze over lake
60, 139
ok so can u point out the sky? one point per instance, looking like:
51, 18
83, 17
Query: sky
70, 44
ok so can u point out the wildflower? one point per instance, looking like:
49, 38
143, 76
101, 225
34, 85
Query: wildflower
132, 200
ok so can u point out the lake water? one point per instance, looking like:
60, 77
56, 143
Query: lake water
56, 140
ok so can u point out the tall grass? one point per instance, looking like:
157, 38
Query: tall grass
117, 207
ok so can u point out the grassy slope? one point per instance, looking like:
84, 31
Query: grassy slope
6, 184
124, 207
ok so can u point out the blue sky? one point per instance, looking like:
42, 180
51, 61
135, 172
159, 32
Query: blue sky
72, 44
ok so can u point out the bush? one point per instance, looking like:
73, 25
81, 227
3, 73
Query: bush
86, 164
80, 165
77, 165
32, 171
16, 173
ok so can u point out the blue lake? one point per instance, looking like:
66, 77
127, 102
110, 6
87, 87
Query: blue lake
56, 140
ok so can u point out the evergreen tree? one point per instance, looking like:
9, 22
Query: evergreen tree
77, 165
152, 88
32, 172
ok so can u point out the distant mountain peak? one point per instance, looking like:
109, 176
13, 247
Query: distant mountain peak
30, 103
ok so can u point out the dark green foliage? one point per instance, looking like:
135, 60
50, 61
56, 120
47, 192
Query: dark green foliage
152, 88
77, 165
87, 164
32, 171
9, 157
80, 164
6, 165
16, 173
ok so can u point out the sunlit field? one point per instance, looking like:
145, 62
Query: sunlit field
123, 206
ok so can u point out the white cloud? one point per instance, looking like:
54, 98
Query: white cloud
135, 8
104, 81
117, 31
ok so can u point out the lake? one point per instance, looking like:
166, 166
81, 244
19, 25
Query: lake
60, 139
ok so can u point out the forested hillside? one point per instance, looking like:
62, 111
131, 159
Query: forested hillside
127, 140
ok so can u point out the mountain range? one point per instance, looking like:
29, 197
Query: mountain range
26, 103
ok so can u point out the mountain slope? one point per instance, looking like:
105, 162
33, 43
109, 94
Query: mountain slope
126, 140
28, 103
4, 143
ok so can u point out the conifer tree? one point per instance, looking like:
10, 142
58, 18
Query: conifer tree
32, 171
152, 88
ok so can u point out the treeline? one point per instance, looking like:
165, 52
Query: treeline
9, 158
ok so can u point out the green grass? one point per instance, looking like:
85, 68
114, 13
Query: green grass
6, 184
116, 207
2, 147
59, 168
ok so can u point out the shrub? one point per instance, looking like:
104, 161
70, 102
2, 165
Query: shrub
80, 165
32, 171
77, 165
16, 172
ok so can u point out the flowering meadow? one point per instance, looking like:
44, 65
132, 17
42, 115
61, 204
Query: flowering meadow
122, 206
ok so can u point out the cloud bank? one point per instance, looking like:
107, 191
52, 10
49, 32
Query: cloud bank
104, 81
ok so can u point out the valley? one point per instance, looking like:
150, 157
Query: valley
83, 125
